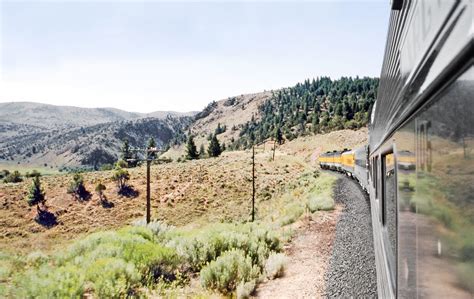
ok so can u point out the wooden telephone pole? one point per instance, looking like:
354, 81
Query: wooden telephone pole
148, 197
274, 148
254, 178
148, 158
253, 183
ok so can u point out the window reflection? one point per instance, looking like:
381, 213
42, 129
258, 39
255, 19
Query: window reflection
436, 197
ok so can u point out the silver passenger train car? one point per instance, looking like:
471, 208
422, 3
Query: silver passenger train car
421, 175
418, 167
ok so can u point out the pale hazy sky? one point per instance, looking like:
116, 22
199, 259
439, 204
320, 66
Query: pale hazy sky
153, 55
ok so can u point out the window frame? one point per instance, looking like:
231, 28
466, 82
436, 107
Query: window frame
392, 261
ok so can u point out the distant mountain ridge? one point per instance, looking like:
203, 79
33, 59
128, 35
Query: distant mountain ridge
63, 136
50, 116
37, 134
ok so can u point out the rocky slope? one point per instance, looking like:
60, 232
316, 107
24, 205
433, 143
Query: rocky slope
56, 137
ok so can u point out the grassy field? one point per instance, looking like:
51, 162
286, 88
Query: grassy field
205, 201
28, 168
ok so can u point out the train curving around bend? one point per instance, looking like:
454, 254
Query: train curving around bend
418, 166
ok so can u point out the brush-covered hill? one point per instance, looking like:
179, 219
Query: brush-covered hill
315, 106
39, 135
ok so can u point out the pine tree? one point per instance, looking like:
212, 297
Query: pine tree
126, 153
36, 194
214, 149
191, 151
99, 189
121, 176
77, 188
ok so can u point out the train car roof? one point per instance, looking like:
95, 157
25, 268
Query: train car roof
416, 64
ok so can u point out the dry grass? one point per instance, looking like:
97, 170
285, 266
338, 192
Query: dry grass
183, 194
195, 192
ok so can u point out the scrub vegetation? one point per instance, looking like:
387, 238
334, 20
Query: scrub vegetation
203, 243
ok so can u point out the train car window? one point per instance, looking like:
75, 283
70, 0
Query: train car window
374, 174
389, 211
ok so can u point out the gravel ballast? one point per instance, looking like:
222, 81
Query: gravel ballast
351, 270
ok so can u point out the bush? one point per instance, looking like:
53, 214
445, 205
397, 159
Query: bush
227, 271
109, 264
319, 203
14, 177
106, 167
465, 273
36, 258
112, 277
36, 194
77, 188
291, 214
62, 282
208, 244
121, 164
4, 173
99, 189
275, 265
159, 229
320, 197
33, 174
121, 176
245, 289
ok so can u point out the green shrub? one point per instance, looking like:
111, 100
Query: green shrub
275, 265
36, 194
106, 167
99, 189
465, 273
227, 271
143, 232
112, 277
77, 188
319, 203
14, 177
33, 174
445, 216
4, 173
291, 213
46, 282
108, 264
467, 249
159, 229
209, 243
9, 264
121, 176
36, 258
245, 289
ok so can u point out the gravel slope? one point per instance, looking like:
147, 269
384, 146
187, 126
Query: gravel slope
351, 270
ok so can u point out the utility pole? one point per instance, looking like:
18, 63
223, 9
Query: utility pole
148, 198
148, 158
274, 147
253, 183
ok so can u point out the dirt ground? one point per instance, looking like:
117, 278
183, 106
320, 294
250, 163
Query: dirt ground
308, 255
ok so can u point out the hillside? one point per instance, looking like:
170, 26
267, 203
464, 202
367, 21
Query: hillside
183, 194
207, 201
90, 146
315, 106
57, 137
